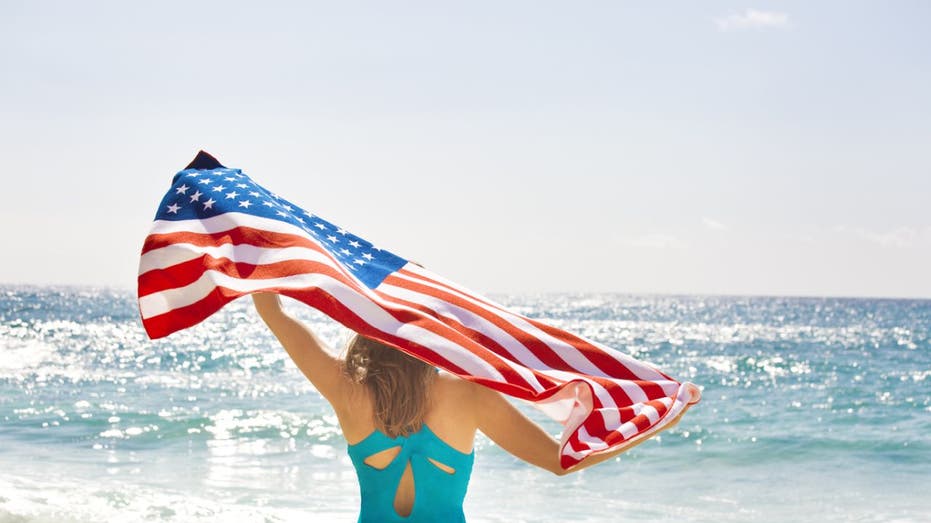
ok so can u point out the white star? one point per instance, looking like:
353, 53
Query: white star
320, 226
268, 203
299, 219
196, 196
288, 208
245, 203
209, 204
368, 256
230, 179
342, 231
345, 251
182, 190
193, 175
206, 181
282, 213
230, 195
308, 213
355, 244
219, 187
241, 185
173, 208
333, 239
358, 261
254, 194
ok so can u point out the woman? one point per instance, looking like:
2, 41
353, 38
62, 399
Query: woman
410, 428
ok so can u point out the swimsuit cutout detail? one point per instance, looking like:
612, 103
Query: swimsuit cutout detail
438, 494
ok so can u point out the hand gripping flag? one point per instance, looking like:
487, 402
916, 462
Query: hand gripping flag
219, 235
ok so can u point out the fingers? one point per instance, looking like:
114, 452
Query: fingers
694, 393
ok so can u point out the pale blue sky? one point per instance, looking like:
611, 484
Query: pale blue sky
692, 147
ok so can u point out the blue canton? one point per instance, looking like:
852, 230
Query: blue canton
201, 193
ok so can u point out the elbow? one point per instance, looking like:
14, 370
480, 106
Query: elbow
266, 300
558, 470
267, 305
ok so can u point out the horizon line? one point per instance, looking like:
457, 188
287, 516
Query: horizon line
670, 294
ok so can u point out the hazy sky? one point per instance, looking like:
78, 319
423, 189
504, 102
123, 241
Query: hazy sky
692, 147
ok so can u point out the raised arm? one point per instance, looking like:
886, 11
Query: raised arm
510, 429
516, 433
322, 368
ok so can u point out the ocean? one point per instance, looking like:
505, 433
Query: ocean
814, 409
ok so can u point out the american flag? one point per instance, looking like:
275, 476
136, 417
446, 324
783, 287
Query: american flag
218, 236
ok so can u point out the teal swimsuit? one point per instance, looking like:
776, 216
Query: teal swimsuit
438, 495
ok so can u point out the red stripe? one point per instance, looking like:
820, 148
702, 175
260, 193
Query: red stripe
448, 287
482, 340
599, 357
186, 316
542, 351
430, 323
594, 425
539, 348
236, 236
604, 362
188, 272
189, 315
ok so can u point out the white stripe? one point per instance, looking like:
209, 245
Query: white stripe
517, 351
631, 389
567, 450
675, 406
628, 430
515, 347
375, 315
647, 410
572, 356
176, 253
642, 370
225, 222
361, 305
569, 406
425, 273
168, 256
161, 302
594, 443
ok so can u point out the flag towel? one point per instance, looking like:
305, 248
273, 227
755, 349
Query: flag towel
218, 235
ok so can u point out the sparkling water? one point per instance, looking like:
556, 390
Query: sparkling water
814, 409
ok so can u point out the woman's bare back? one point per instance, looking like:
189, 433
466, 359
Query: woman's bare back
451, 414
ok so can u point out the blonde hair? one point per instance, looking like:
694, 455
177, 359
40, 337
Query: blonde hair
396, 382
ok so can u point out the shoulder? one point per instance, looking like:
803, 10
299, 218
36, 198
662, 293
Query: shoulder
468, 399
355, 411
452, 394
454, 387
454, 413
